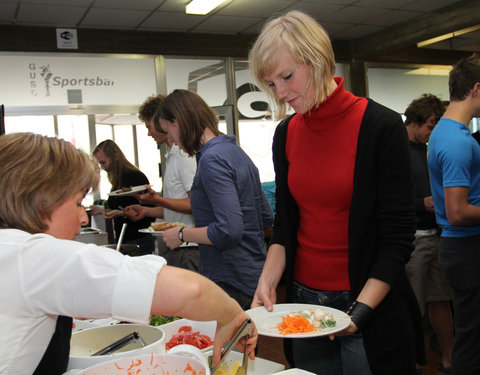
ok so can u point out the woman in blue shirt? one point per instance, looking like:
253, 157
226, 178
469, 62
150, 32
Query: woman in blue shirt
229, 206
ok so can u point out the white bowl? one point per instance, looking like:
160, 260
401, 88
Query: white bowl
149, 364
88, 341
205, 328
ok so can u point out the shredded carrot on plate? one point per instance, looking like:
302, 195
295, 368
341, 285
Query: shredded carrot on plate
294, 324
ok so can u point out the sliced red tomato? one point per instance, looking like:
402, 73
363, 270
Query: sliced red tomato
186, 335
184, 329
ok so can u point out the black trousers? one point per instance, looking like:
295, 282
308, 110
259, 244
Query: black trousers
459, 260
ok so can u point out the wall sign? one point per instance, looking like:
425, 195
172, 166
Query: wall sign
67, 39
40, 80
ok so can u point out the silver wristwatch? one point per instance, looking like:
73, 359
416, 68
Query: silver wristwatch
180, 234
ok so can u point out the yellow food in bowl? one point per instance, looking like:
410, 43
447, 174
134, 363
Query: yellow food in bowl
223, 369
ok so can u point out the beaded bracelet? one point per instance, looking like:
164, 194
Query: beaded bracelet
360, 314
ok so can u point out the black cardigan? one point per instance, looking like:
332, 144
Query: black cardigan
380, 234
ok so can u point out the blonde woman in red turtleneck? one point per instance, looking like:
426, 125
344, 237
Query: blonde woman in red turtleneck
345, 218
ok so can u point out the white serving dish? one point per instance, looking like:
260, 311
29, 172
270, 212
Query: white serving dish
205, 328
88, 341
148, 364
295, 371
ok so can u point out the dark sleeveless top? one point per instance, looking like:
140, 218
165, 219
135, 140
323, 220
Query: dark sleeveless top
55, 359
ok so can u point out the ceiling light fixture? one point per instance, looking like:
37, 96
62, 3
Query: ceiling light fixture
440, 70
202, 6
448, 36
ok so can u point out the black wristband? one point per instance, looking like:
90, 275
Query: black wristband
360, 314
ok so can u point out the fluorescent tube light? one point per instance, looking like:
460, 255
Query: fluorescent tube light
432, 70
202, 6
448, 36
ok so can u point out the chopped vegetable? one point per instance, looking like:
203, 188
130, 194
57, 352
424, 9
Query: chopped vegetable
318, 318
294, 324
224, 370
158, 320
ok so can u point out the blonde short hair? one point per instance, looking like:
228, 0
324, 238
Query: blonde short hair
308, 43
38, 174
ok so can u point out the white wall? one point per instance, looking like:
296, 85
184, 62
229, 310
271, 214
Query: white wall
396, 88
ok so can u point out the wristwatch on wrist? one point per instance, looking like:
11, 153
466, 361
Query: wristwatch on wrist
180, 234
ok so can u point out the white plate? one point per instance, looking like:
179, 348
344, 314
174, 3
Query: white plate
294, 371
266, 321
150, 231
135, 190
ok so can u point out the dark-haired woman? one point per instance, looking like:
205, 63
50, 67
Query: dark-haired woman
229, 206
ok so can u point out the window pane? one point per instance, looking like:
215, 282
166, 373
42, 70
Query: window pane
103, 132
205, 77
148, 157
123, 137
396, 88
34, 124
74, 129
256, 140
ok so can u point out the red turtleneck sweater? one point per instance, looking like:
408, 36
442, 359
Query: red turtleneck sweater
321, 149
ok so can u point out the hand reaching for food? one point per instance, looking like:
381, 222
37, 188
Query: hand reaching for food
113, 214
150, 197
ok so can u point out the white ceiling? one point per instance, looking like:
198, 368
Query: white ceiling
343, 19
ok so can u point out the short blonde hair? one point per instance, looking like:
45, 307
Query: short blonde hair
38, 174
308, 43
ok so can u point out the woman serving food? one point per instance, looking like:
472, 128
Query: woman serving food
51, 278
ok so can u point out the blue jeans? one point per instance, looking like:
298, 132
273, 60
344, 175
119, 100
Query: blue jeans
343, 356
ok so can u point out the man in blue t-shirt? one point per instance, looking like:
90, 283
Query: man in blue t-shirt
454, 164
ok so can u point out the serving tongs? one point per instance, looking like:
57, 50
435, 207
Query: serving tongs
244, 330
124, 341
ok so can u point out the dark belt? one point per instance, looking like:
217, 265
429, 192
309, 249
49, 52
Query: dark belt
187, 248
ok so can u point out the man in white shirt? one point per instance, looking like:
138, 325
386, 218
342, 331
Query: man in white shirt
174, 205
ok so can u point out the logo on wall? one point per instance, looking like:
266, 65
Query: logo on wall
42, 80
46, 75
251, 102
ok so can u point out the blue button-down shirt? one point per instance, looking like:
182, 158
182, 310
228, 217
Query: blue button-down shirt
227, 196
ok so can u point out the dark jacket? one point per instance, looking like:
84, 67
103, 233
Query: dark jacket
131, 178
421, 184
381, 233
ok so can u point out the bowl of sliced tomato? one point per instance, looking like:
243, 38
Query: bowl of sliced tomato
185, 331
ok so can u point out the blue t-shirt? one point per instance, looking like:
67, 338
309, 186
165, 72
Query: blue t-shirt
453, 161
228, 198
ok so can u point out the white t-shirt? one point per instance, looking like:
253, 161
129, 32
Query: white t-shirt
179, 173
43, 277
